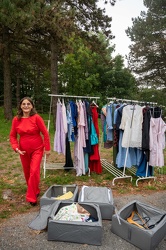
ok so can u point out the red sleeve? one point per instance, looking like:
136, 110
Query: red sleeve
13, 135
42, 127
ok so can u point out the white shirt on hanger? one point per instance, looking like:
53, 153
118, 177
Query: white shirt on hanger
131, 123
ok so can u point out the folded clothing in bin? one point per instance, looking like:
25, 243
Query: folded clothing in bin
142, 225
59, 192
101, 196
81, 223
74, 212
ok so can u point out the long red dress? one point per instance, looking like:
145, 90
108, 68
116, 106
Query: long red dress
94, 159
30, 140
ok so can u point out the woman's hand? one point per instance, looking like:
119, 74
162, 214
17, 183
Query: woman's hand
47, 153
20, 152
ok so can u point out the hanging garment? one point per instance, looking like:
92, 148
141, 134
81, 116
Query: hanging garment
109, 121
93, 136
145, 131
117, 122
141, 167
88, 148
64, 117
131, 123
60, 133
132, 157
103, 126
86, 121
115, 132
68, 158
155, 112
118, 115
80, 143
74, 115
70, 127
94, 159
157, 141
107, 144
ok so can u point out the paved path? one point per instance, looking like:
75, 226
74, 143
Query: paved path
16, 235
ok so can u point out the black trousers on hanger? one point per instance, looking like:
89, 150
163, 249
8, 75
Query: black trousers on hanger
68, 158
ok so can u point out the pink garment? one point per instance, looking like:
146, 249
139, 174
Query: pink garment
86, 122
60, 135
80, 143
64, 117
157, 141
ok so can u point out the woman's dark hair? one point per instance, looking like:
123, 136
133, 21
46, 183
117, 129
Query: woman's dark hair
20, 112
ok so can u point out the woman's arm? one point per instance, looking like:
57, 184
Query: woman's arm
13, 135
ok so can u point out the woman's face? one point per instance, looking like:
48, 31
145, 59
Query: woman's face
26, 107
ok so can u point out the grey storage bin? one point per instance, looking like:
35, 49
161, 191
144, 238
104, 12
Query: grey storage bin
101, 196
146, 238
76, 231
57, 190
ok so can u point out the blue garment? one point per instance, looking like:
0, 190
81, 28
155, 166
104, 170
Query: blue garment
133, 157
119, 115
141, 167
74, 115
104, 127
109, 121
104, 124
70, 128
86, 159
93, 135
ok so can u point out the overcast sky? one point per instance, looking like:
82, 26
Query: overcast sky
122, 13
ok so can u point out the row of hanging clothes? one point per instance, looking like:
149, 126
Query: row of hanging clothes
77, 122
137, 135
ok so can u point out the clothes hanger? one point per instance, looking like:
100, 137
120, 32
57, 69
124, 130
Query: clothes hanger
94, 103
59, 101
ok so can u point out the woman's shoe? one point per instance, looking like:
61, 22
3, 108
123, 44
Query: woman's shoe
33, 203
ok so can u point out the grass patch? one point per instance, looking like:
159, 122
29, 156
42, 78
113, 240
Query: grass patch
5, 214
12, 178
151, 187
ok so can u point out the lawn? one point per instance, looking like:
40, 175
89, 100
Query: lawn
13, 187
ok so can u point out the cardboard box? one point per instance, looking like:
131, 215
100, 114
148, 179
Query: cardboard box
58, 190
75, 231
153, 231
101, 196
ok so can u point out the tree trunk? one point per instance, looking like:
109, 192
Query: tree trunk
18, 89
54, 77
7, 77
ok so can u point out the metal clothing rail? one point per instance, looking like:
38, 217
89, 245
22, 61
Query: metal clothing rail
55, 166
130, 101
66, 96
115, 171
75, 96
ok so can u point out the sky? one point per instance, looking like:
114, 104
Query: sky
122, 13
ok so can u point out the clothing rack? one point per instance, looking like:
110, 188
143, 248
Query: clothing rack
113, 169
131, 101
55, 166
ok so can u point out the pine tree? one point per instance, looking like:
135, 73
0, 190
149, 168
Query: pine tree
147, 56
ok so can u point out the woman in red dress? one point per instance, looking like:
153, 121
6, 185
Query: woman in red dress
27, 141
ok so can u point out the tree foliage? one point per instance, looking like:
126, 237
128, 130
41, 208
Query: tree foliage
95, 74
59, 46
37, 34
147, 56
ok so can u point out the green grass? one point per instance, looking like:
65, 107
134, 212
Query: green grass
12, 178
